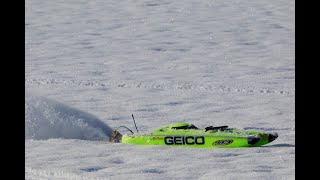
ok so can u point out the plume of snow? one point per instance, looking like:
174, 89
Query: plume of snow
45, 119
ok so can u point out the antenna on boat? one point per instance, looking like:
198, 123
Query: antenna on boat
134, 123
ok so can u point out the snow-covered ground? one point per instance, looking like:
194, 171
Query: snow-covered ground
91, 64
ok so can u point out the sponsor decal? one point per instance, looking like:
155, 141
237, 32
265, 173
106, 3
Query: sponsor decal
184, 140
222, 142
157, 138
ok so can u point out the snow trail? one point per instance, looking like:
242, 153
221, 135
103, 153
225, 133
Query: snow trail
45, 119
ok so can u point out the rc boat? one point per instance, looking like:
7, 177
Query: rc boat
185, 134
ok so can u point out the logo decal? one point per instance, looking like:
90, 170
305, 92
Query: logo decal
222, 142
157, 138
189, 140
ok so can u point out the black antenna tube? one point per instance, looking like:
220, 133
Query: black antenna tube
134, 123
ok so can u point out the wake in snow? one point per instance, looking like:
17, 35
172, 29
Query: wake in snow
45, 119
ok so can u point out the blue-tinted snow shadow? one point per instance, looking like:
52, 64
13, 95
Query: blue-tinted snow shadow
91, 169
280, 145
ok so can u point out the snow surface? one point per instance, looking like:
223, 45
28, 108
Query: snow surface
91, 64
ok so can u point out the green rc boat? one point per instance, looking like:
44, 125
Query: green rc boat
185, 134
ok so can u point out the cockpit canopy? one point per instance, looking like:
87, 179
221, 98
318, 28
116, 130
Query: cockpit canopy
182, 126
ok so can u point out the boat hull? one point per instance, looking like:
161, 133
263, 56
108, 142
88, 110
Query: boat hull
201, 139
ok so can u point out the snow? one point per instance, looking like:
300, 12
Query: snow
45, 119
91, 64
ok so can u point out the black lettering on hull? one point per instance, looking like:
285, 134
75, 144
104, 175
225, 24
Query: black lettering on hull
222, 142
184, 140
